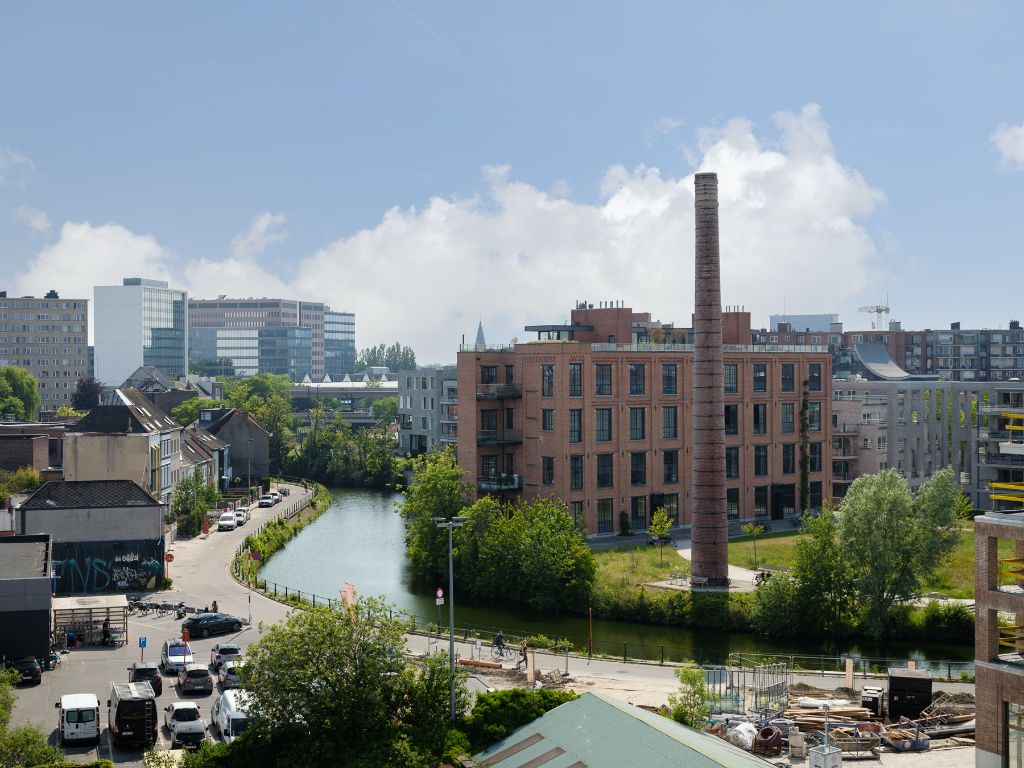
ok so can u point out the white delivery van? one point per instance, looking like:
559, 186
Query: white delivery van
228, 715
78, 718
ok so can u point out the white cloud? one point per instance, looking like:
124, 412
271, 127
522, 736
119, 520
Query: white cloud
515, 255
12, 162
33, 217
264, 230
1009, 140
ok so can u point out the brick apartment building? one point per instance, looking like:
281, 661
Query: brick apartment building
598, 414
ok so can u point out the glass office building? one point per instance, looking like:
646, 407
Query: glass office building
140, 322
339, 343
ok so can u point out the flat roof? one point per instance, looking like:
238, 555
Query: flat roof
24, 557
90, 601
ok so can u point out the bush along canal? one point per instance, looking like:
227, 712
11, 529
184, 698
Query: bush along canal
359, 539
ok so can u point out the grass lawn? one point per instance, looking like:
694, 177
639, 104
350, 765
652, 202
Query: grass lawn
955, 578
621, 568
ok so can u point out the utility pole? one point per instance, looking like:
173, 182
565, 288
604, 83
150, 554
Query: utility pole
450, 523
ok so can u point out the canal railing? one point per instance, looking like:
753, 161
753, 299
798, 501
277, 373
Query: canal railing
627, 651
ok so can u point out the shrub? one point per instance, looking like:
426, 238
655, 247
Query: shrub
778, 609
625, 529
497, 714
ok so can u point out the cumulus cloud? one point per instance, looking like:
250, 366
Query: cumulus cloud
264, 230
515, 254
1009, 141
33, 217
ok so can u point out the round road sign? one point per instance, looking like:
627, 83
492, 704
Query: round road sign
168, 558
440, 593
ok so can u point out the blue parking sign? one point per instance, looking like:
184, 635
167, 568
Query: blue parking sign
142, 642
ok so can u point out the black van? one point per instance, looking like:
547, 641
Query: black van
131, 713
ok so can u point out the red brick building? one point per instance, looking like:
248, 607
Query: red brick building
598, 413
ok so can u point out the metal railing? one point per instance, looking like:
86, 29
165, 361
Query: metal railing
499, 483
498, 436
498, 391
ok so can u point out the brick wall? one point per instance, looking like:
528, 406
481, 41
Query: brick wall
18, 451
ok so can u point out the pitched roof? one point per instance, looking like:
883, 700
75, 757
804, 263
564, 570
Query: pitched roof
148, 377
127, 410
599, 731
226, 415
79, 494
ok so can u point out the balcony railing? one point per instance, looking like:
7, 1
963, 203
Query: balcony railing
995, 410
498, 391
844, 453
498, 483
874, 421
499, 437
848, 429
844, 477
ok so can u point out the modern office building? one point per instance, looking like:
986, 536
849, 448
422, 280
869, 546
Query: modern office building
339, 343
427, 409
141, 322
243, 337
49, 337
603, 421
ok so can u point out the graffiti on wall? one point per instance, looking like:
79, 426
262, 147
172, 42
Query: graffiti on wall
83, 567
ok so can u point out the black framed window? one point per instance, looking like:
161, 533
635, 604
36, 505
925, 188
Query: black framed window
638, 512
576, 513
489, 466
603, 425
788, 378
576, 472
489, 420
760, 460
732, 419
510, 374
603, 379
814, 457
814, 417
638, 468
761, 501
760, 377
488, 374
510, 418
669, 379
786, 416
814, 377
760, 418
815, 499
636, 378
669, 421
547, 381
575, 425
788, 459
732, 385
732, 462
604, 515
670, 460
547, 419
575, 379
637, 423
604, 470
732, 503
547, 470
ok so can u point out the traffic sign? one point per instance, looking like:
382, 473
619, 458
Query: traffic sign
440, 601
142, 642
440, 593
168, 558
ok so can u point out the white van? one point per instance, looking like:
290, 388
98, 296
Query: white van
228, 715
78, 718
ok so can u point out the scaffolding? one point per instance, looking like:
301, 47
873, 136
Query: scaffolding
753, 685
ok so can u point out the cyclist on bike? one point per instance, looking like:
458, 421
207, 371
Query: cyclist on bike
499, 641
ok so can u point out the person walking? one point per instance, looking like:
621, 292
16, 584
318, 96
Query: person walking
522, 655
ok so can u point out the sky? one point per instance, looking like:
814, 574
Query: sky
432, 165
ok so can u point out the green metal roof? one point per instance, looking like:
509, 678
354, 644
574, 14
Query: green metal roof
599, 731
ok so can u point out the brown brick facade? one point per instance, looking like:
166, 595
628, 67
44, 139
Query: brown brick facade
17, 451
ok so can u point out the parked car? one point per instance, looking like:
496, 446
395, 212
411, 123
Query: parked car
185, 723
275, 496
206, 624
284, 490
148, 671
228, 715
223, 652
241, 515
131, 713
78, 718
227, 522
174, 655
28, 668
266, 500
195, 677
230, 674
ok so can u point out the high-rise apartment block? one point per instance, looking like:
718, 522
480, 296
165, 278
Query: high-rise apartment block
139, 323
427, 409
596, 415
243, 337
49, 337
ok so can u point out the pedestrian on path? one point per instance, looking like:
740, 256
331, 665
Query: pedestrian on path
215, 607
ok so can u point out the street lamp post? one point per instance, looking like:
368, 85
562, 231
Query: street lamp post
248, 476
450, 523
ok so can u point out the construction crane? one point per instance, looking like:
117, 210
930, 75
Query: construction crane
882, 310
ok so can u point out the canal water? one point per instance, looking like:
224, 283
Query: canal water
359, 540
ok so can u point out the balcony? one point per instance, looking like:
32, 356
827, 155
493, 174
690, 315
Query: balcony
844, 477
498, 483
995, 410
874, 421
499, 437
846, 429
1013, 448
845, 453
499, 392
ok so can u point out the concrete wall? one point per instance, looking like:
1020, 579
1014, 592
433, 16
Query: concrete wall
93, 524
17, 451
25, 617
108, 457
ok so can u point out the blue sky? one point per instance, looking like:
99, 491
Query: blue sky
428, 165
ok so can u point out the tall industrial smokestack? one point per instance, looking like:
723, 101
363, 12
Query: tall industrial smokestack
710, 526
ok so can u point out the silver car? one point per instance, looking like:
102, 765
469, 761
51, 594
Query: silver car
230, 674
195, 677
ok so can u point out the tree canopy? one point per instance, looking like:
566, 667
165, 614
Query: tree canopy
187, 412
26, 744
193, 498
267, 398
396, 357
87, 394
19, 393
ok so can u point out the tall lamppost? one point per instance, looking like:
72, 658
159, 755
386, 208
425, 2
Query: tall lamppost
450, 523
248, 476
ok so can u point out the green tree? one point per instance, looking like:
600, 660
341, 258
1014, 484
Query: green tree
437, 490
395, 358
67, 412
25, 745
385, 410
19, 480
87, 394
689, 704
658, 529
496, 714
963, 509
892, 540
192, 498
267, 398
188, 412
331, 685
753, 530
19, 393
825, 590
779, 607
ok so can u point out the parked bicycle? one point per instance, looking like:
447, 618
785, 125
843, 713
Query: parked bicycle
761, 576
